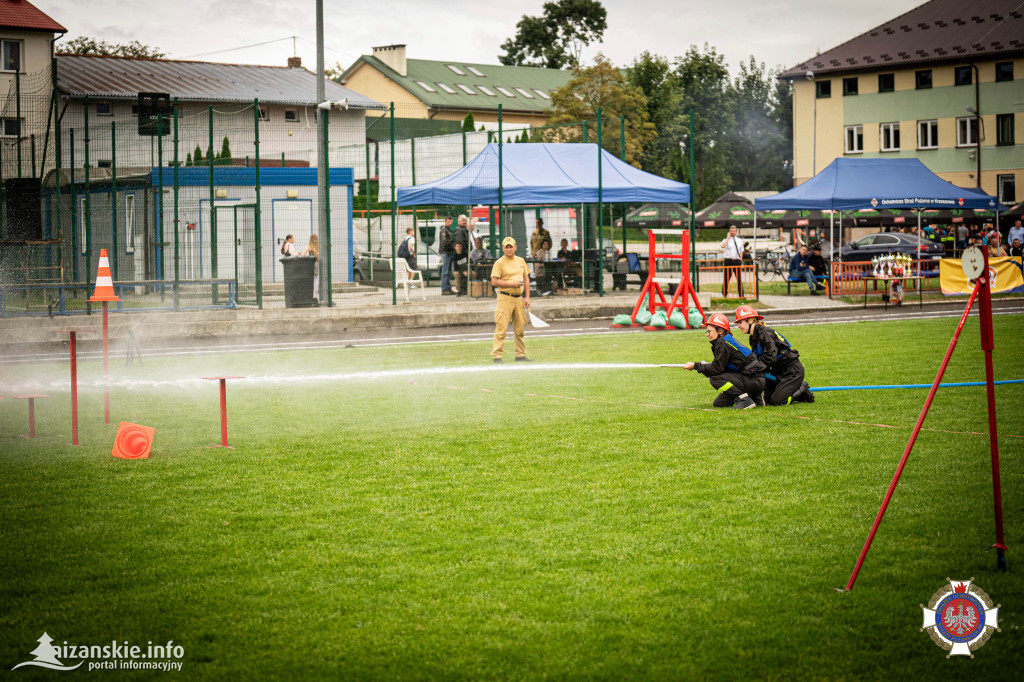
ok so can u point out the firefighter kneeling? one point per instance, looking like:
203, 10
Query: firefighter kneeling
735, 373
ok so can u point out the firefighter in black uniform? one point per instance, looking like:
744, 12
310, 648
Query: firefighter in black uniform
735, 373
781, 359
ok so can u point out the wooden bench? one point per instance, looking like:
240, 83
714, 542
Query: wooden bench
817, 278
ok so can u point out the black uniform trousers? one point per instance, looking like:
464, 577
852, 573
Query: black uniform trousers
789, 378
731, 385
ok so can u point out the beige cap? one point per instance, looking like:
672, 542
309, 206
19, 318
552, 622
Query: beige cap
506, 241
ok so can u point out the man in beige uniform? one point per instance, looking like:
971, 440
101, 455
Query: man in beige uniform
508, 277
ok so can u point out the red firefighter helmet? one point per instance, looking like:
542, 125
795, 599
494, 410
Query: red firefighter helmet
745, 312
718, 320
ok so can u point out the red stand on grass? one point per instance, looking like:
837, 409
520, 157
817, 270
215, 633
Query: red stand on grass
982, 291
104, 291
31, 398
74, 380
223, 408
652, 287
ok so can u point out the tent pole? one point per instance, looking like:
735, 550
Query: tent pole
757, 292
832, 245
919, 243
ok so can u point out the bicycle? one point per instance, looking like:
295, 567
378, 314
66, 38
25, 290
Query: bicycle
774, 265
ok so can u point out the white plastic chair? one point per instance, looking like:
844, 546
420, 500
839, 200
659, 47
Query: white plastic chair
402, 271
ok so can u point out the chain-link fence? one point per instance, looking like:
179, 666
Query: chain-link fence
197, 195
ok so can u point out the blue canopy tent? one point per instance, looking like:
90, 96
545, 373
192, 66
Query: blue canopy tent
545, 173
853, 184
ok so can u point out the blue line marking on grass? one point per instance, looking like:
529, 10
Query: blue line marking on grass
958, 384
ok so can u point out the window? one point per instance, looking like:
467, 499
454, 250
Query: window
524, 93
425, 86
1004, 71
264, 114
967, 131
542, 93
135, 110
928, 134
456, 70
291, 115
103, 109
1007, 188
823, 89
854, 139
1004, 129
923, 79
10, 127
475, 71
447, 88
487, 91
889, 137
466, 89
849, 86
963, 75
507, 93
129, 223
11, 50
886, 82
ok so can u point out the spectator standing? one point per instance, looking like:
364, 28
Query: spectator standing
962, 234
407, 250
289, 248
446, 245
461, 254
511, 279
538, 236
732, 251
314, 250
1016, 232
746, 256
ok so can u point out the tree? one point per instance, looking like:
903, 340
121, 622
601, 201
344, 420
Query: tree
557, 38
197, 156
601, 85
225, 151
468, 123
653, 75
188, 159
87, 45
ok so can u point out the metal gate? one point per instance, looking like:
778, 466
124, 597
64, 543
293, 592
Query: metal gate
248, 256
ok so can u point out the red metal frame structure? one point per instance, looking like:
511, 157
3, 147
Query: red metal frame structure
653, 284
31, 398
982, 291
73, 338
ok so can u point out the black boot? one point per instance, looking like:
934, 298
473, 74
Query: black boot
804, 394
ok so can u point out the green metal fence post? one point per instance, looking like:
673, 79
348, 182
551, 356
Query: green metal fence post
57, 162
622, 155
177, 251
17, 97
88, 211
113, 201
32, 155
259, 236
325, 249
600, 210
501, 179
394, 210
158, 200
366, 196
74, 209
213, 211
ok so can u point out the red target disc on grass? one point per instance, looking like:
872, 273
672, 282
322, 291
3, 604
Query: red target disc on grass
133, 441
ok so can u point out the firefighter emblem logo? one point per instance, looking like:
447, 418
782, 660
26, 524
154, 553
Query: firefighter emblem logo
960, 201
960, 618
874, 202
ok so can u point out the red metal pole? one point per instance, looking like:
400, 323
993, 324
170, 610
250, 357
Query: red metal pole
31, 417
224, 412
913, 438
988, 345
74, 390
106, 370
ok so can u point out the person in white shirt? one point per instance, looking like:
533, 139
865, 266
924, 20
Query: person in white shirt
289, 248
732, 248
1016, 232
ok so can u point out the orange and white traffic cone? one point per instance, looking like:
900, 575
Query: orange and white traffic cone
104, 290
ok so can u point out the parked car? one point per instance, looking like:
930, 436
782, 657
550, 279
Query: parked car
884, 243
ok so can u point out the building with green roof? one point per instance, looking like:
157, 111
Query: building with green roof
448, 90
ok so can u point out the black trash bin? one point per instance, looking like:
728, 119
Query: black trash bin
298, 281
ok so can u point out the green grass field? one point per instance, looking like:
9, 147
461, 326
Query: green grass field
415, 512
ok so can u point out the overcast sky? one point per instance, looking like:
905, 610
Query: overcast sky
777, 32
